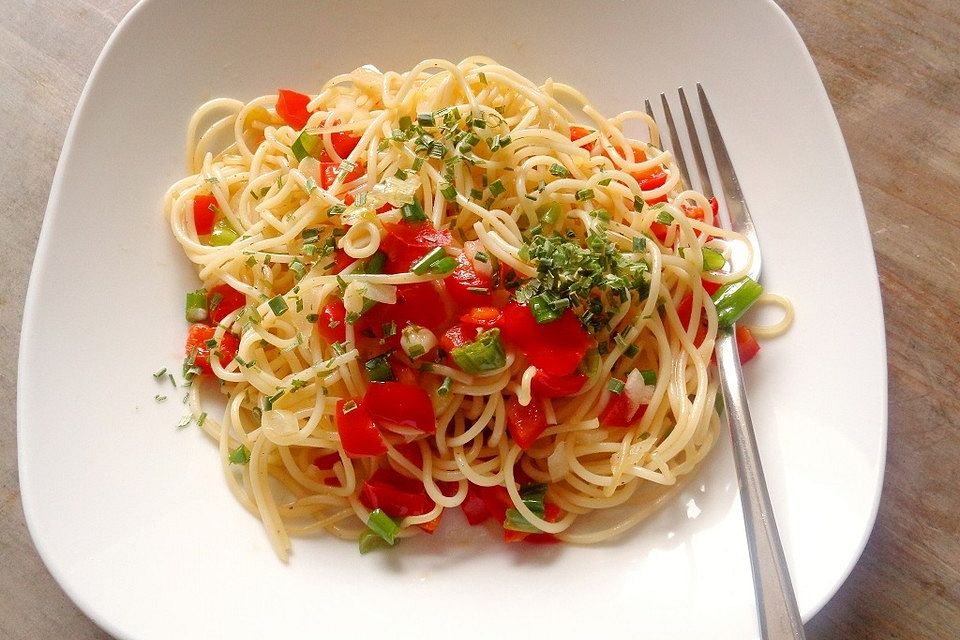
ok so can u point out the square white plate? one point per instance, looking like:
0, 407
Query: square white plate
132, 515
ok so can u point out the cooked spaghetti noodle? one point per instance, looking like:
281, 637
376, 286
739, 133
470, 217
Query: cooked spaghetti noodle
454, 233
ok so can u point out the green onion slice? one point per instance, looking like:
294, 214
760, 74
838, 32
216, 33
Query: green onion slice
384, 526
483, 354
713, 260
533, 496
734, 299
305, 144
379, 369
196, 306
223, 234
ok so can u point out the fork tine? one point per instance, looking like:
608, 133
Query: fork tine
674, 140
654, 133
706, 188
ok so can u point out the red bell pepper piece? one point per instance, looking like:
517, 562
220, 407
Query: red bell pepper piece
344, 142
577, 132
467, 287
556, 347
331, 324
230, 301
617, 412
431, 526
486, 317
525, 423
473, 506
204, 212
329, 170
747, 345
394, 404
196, 344
359, 436
545, 385
292, 107
457, 336
405, 243
398, 495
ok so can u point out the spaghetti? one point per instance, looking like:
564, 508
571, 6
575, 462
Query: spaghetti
435, 289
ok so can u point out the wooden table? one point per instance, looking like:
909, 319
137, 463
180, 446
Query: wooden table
892, 70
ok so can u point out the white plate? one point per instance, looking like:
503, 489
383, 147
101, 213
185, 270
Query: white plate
132, 515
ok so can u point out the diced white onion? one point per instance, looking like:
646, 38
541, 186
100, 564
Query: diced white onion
471, 247
557, 463
415, 336
637, 392
279, 426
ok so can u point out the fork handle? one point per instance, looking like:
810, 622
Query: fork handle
776, 603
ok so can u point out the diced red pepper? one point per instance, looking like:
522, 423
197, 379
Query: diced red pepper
397, 495
204, 214
577, 132
341, 260
325, 463
331, 324
420, 303
617, 412
467, 287
473, 506
555, 347
394, 404
359, 436
485, 317
292, 107
411, 451
405, 243
431, 526
652, 180
196, 344
457, 336
497, 501
545, 385
230, 301
344, 142
747, 344
329, 170
525, 423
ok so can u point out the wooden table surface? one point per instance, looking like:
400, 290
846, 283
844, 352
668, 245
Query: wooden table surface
892, 70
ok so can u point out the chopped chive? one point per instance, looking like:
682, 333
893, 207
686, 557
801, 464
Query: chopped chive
584, 194
350, 405
543, 310
431, 263
476, 194
649, 376
415, 351
413, 212
664, 217
600, 214
379, 369
426, 120
417, 164
375, 263
201, 419
480, 256
638, 204
496, 188
389, 329
160, 373
184, 421
615, 385
449, 192
639, 244
159, 398
605, 182
404, 123
483, 77
549, 213
338, 348
240, 455
278, 305
445, 386
383, 525
559, 170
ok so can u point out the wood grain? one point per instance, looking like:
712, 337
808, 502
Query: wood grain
892, 70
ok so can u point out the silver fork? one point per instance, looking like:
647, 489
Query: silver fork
777, 610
